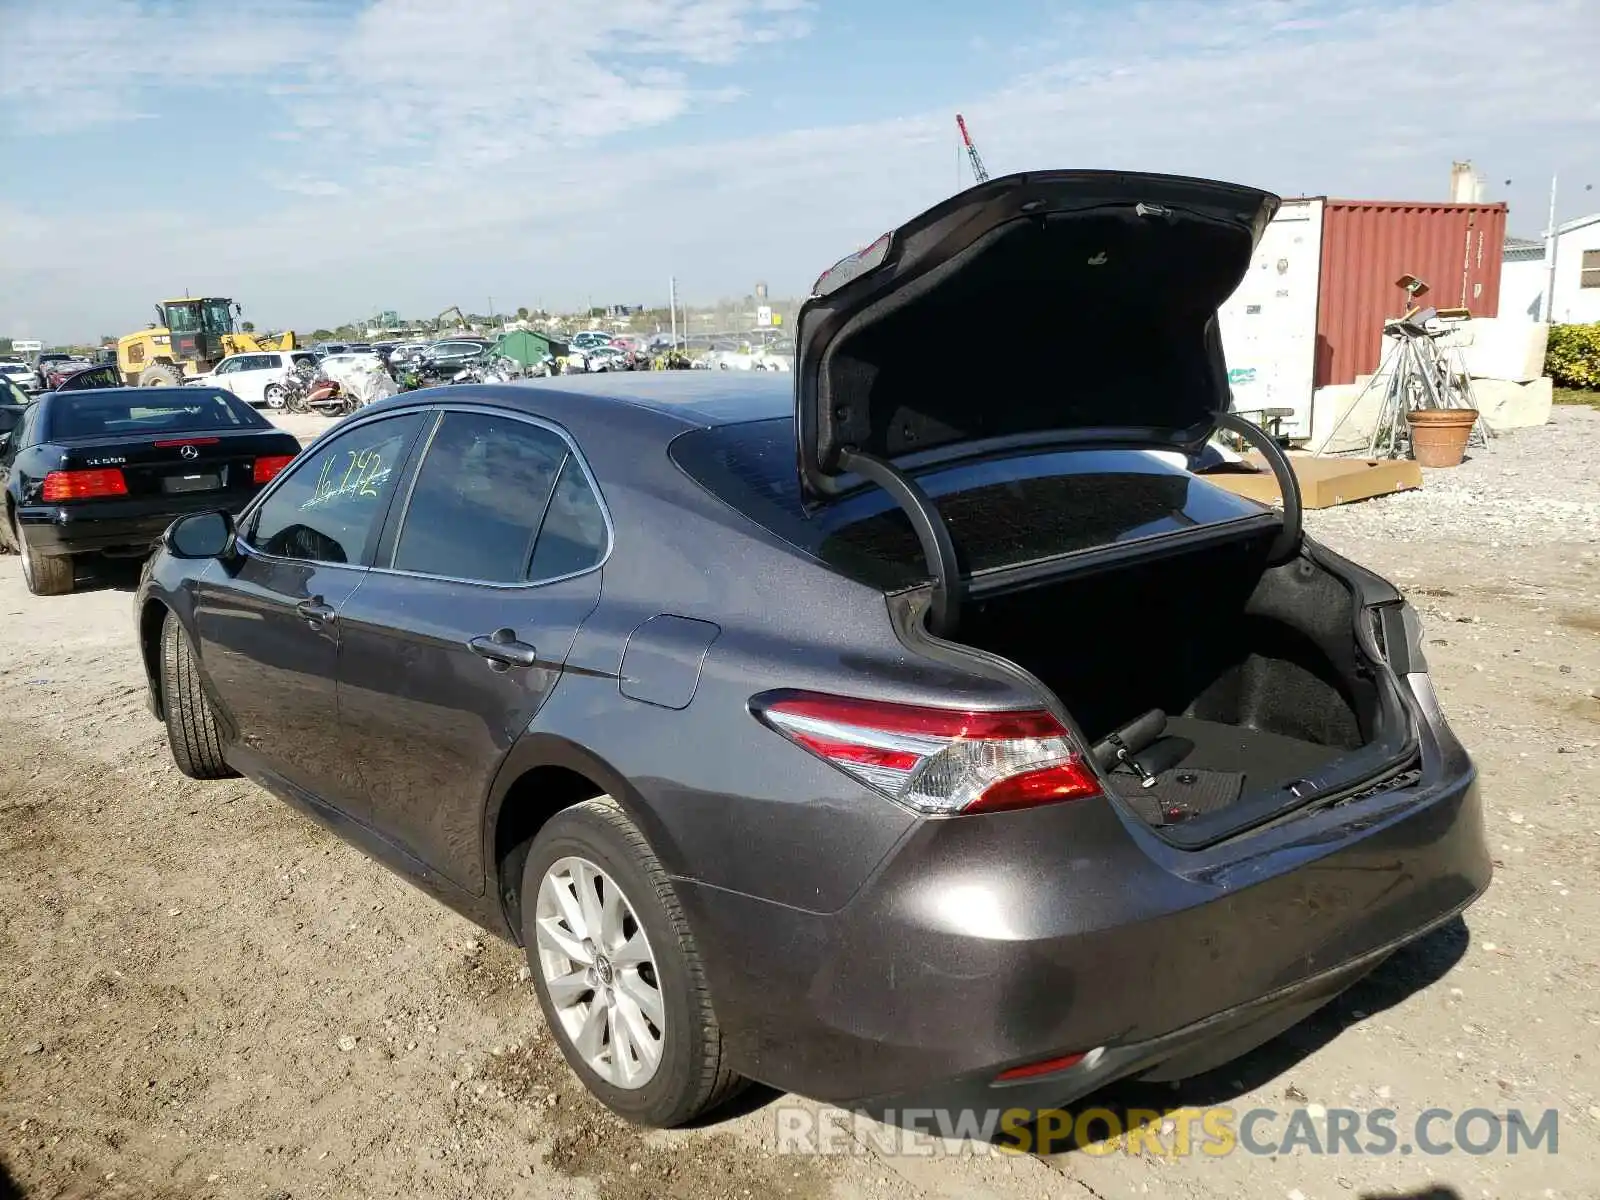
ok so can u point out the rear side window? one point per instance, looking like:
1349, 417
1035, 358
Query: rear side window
498, 500
137, 412
1001, 513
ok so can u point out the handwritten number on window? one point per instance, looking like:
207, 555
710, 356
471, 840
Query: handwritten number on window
363, 474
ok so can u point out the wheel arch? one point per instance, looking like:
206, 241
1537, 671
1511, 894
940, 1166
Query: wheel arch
151, 618
543, 775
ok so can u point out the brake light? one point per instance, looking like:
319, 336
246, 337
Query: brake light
84, 485
938, 760
268, 467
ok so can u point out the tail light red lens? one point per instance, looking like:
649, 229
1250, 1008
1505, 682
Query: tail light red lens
1048, 1066
268, 467
84, 485
938, 760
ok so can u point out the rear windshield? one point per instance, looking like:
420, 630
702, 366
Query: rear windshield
141, 411
1001, 513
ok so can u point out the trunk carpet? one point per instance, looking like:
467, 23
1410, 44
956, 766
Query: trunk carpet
1263, 758
1212, 765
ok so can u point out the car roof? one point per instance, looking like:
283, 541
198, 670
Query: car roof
699, 397
688, 398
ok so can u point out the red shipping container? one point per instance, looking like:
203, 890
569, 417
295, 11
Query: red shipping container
1367, 245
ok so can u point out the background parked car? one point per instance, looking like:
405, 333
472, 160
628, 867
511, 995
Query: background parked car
256, 378
45, 363
60, 368
443, 359
103, 375
20, 374
105, 471
605, 358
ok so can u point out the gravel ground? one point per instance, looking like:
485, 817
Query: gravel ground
208, 996
1529, 487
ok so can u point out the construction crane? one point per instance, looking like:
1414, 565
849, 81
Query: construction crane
980, 173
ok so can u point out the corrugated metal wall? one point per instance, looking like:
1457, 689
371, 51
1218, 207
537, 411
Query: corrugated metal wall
1367, 245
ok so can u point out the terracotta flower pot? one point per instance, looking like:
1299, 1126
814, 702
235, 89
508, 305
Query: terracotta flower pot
1439, 435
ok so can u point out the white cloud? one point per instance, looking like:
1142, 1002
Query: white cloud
76, 64
474, 166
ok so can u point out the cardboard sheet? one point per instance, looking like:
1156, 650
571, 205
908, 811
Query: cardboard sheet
1324, 482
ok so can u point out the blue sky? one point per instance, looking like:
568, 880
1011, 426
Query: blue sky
321, 161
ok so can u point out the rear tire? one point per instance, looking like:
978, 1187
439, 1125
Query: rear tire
273, 396
192, 730
691, 1076
160, 375
45, 574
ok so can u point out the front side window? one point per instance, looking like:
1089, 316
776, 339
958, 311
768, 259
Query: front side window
498, 500
183, 318
228, 366
218, 318
334, 500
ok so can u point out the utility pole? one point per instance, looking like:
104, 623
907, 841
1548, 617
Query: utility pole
672, 306
1550, 260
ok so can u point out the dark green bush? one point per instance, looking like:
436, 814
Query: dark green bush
1573, 359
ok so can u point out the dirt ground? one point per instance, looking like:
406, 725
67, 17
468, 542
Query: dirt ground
206, 995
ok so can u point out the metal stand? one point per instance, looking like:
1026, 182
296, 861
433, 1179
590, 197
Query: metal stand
1417, 374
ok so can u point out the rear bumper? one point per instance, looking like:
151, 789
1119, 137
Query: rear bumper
987, 944
122, 525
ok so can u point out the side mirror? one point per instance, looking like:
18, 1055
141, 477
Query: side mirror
200, 535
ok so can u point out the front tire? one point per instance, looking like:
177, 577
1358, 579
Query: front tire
45, 574
617, 972
192, 730
160, 375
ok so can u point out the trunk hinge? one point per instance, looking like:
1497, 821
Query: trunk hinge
949, 589
1287, 544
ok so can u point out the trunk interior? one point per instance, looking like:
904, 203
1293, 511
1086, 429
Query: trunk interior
1269, 702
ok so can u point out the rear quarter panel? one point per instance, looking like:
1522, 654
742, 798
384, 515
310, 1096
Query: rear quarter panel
724, 800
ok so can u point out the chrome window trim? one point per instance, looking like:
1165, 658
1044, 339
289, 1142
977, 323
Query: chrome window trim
574, 455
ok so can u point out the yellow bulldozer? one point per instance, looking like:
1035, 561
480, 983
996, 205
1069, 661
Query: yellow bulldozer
190, 336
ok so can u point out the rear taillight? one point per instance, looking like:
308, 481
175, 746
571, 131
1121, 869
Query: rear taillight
938, 760
268, 467
1048, 1066
84, 485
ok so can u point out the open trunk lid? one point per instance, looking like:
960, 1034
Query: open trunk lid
1040, 307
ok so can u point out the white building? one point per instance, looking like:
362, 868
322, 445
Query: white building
1524, 273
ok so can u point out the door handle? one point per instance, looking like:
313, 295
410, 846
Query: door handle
502, 650
315, 611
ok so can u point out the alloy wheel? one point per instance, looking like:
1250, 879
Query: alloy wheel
600, 973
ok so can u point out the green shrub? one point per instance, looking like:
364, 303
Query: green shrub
1573, 359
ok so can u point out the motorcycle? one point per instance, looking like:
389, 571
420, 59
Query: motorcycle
330, 399
297, 387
